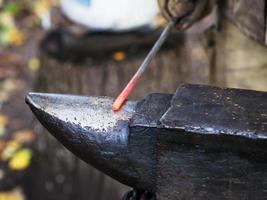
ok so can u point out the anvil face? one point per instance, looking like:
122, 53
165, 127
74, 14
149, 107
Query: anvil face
91, 113
192, 142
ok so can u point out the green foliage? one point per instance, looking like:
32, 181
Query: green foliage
11, 8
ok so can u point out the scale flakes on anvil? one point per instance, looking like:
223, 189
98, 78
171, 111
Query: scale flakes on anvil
200, 143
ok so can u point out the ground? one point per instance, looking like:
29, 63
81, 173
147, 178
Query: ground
18, 67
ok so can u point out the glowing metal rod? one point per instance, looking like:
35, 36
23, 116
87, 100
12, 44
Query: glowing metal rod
118, 103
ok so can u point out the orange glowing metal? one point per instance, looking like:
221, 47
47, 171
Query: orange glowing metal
117, 105
125, 93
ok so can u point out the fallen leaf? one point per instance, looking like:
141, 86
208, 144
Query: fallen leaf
119, 56
34, 64
16, 37
24, 136
12, 195
9, 33
7, 25
10, 150
20, 160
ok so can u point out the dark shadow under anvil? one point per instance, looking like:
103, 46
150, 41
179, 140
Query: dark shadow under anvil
200, 143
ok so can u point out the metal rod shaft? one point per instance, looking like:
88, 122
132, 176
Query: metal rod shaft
118, 103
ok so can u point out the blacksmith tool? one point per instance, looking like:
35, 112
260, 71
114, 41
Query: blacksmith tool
200, 143
181, 14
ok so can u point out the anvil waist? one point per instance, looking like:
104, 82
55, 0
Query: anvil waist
202, 142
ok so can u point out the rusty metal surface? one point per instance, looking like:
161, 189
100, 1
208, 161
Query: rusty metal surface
249, 16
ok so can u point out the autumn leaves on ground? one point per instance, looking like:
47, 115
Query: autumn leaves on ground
19, 35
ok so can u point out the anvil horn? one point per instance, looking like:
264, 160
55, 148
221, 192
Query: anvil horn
89, 128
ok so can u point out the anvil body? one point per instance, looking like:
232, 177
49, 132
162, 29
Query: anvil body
200, 143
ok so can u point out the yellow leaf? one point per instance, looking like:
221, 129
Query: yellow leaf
119, 56
16, 37
34, 64
21, 160
10, 150
14, 195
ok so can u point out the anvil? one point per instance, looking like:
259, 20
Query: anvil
200, 143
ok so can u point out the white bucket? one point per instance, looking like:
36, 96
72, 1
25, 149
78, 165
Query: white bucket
114, 15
